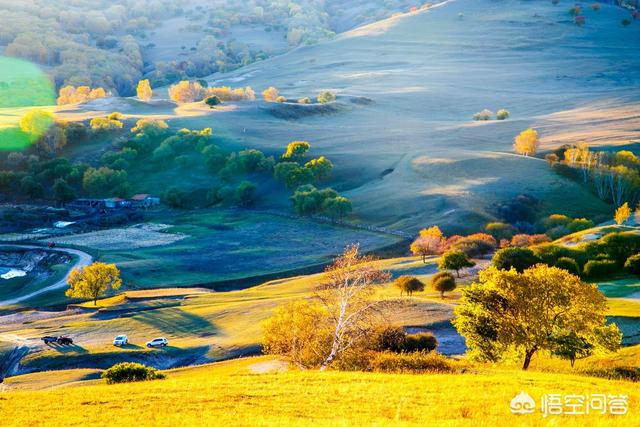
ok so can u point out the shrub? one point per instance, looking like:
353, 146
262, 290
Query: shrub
515, 257
568, 264
212, 101
550, 254
483, 115
600, 268
127, 372
502, 114
626, 22
326, 97
391, 338
632, 264
500, 230
281, 99
417, 362
474, 244
423, 341
305, 100
580, 224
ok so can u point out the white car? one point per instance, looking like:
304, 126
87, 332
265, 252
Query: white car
121, 340
158, 342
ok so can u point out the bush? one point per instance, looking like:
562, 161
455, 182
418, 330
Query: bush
632, 264
502, 114
483, 115
600, 268
550, 254
568, 264
423, 341
515, 257
418, 362
326, 97
127, 372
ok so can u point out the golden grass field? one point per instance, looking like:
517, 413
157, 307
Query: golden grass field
230, 393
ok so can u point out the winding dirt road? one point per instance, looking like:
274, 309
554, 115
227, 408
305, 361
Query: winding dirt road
83, 259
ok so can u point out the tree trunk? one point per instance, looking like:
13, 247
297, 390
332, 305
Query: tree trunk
527, 359
458, 273
442, 295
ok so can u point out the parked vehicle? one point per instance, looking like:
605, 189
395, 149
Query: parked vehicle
158, 342
49, 339
121, 340
65, 341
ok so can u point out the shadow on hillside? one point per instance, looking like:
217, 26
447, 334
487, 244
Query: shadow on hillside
177, 321
73, 348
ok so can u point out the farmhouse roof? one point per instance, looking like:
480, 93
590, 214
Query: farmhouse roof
139, 196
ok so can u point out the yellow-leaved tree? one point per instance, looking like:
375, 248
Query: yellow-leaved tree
36, 122
271, 94
93, 281
144, 90
541, 309
527, 142
429, 242
622, 214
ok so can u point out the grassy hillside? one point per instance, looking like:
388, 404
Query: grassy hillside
235, 393
201, 325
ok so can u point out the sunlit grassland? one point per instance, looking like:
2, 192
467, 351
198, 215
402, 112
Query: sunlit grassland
230, 393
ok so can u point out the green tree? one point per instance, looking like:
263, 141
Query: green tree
529, 312
337, 207
514, 257
296, 150
443, 282
632, 264
212, 101
408, 285
568, 264
454, 259
62, 191
31, 187
320, 167
292, 174
105, 181
93, 281
325, 97
245, 193
500, 230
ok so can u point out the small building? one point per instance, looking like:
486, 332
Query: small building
87, 204
144, 201
114, 203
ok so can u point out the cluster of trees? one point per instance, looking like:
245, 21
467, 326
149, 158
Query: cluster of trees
485, 115
271, 94
341, 326
440, 282
593, 260
74, 95
432, 241
613, 176
188, 91
300, 175
549, 228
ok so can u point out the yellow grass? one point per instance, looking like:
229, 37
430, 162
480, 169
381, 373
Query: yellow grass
230, 393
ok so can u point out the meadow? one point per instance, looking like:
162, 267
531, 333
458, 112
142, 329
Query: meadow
233, 392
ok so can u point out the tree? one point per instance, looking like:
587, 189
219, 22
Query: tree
346, 297
502, 114
408, 285
500, 230
527, 142
270, 94
622, 214
144, 91
62, 191
632, 264
106, 124
36, 122
429, 242
325, 97
299, 331
105, 181
245, 193
320, 167
212, 101
186, 91
455, 260
515, 257
443, 282
31, 187
337, 207
296, 150
530, 312
292, 174
93, 281
568, 264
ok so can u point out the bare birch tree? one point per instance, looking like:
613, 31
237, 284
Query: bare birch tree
346, 294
